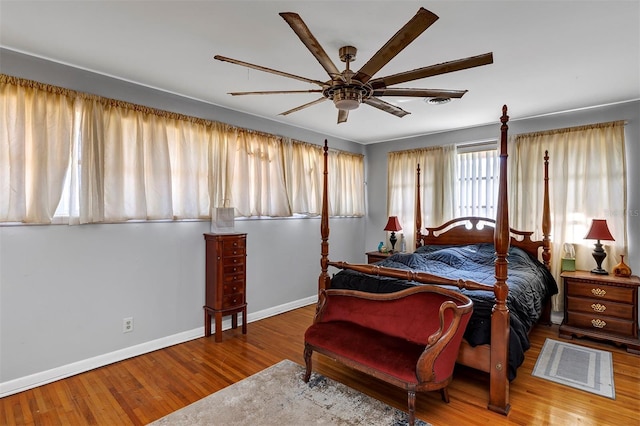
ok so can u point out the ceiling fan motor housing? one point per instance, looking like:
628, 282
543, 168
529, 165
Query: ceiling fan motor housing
347, 97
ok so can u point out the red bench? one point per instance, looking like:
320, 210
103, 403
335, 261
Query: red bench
408, 338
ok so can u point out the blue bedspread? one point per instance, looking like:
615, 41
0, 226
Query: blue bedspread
530, 286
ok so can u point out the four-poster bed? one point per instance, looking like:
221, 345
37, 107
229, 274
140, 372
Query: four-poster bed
453, 241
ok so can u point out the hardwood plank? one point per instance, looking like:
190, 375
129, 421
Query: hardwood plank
142, 389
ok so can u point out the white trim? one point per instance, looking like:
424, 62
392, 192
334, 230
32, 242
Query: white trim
42, 378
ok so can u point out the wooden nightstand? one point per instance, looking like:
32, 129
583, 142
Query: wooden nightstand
376, 256
602, 307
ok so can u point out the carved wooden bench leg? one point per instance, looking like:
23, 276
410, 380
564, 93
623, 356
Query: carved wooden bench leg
307, 361
445, 394
412, 407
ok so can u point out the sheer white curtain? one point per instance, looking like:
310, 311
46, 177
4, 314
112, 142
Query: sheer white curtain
256, 165
218, 173
125, 167
346, 184
437, 187
304, 172
304, 175
189, 147
587, 180
100, 160
86, 191
35, 147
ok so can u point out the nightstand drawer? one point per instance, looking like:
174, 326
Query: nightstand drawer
601, 323
600, 307
600, 291
376, 256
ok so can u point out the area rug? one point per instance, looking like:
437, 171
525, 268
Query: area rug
279, 396
580, 367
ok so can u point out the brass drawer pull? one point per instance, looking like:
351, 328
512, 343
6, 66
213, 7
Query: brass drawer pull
598, 307
598, 323
598, 292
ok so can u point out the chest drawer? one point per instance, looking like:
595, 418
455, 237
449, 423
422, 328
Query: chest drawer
232, 300
233, 268
235, 247
233, 287
600, 291
601, 323
600, 307
230, 261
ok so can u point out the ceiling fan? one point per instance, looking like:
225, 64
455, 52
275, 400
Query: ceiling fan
348, 89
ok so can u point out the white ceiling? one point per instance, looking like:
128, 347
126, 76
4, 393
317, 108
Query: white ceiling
549, 56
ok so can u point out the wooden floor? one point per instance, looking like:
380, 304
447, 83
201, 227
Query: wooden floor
142, 389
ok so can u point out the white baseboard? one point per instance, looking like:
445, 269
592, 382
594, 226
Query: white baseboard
42, 378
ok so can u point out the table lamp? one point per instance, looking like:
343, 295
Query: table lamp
599, 231
393, 225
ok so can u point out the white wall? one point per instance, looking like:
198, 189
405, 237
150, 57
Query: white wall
64, 290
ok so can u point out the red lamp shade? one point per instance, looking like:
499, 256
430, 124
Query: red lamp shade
393, 224
599, 231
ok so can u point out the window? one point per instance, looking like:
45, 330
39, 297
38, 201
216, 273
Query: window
477, 170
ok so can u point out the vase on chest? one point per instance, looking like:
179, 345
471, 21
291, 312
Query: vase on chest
622, 269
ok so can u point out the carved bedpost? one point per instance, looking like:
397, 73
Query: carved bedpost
323, 280
499, 391
546, 217
418, 212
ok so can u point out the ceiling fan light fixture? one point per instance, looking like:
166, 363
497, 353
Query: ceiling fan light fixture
347, 98
437, 101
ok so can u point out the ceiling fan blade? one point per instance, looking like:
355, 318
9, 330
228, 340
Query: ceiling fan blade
422, 20
443, 68
343, 114
308, 104
269, 70
386, 107
420, 93
300, 28
275, 92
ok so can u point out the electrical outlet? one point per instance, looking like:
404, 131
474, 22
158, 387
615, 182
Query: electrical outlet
127, 325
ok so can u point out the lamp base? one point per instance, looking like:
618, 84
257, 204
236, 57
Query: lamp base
599, 255
393, 240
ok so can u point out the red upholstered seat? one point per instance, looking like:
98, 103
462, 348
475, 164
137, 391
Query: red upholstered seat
388, 354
